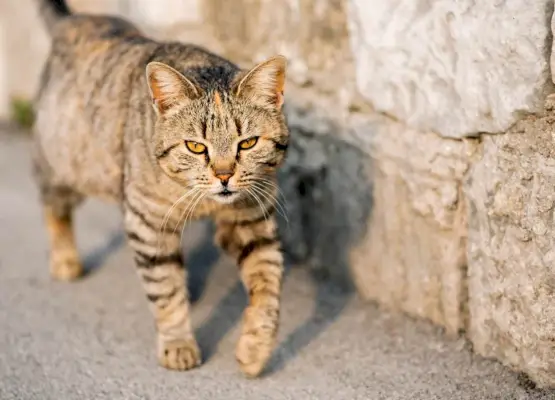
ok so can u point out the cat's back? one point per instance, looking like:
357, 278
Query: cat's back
86, 97
90, 52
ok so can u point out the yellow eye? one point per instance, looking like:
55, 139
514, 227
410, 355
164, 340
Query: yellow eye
248, 143
195, 147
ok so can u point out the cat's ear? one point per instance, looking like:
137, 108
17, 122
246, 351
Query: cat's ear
168, 87
264, 84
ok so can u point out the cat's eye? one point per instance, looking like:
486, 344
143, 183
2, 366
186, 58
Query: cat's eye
248, 143
195, 147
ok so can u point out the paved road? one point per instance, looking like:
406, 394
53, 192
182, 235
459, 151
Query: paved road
94, 339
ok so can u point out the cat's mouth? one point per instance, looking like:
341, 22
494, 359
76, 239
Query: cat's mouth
226, 192
226, 196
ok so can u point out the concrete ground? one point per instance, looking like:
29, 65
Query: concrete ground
94, 339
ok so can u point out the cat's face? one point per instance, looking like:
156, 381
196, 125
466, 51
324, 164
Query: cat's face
225, 145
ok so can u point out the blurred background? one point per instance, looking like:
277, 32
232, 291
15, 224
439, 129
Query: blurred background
419, 182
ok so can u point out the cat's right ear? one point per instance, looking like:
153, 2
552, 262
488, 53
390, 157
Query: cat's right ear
168, 87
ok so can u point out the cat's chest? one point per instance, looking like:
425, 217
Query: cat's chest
177, 206
194, 207
191, 207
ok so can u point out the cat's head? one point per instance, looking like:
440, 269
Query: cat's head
224, 143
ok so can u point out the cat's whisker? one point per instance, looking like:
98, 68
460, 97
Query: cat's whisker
274, 185
192, 208
192, 211
255, 197
196, 192
261, 178
167, 217
273, 199
168, 213
279, 207
260, 185
280, 192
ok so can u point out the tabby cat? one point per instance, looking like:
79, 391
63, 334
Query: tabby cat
172, 133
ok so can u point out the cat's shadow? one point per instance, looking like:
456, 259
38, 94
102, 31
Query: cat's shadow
329, 303
201, 257
95, 258
200, 260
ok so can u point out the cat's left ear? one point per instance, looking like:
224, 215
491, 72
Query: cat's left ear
168, 87
263, 85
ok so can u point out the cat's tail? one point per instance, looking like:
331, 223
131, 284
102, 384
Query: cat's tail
52, 11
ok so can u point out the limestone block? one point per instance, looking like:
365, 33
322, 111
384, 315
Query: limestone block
312, 34
164, 13
453, 67
99, 6
173, 20
511, 248
412, 258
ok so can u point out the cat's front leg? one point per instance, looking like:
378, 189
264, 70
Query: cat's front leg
159, 264
256, 247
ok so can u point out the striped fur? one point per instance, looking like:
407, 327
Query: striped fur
173, 133
255, 245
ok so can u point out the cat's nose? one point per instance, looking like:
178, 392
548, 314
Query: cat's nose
224, 176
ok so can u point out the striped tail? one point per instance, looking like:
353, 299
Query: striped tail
52, 11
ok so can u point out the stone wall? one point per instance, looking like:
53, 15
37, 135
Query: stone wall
511, 246
421, 167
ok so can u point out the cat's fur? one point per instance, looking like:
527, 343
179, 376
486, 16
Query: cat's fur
113, 116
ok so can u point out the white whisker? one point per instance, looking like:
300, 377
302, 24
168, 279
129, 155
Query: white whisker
197, 192
260, 189
167, 217
192, 211
262, 208
261, 178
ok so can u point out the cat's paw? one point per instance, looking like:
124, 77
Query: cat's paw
256, 342
179, 354
65, 266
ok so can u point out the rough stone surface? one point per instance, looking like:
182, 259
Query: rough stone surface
453, 67
118, 7
312, 34
413, 256
170, 14
511, 276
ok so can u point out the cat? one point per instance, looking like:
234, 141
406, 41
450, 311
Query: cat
171, 132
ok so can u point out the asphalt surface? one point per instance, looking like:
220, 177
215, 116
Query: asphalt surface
94, 339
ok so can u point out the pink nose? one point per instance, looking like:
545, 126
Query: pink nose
224, 176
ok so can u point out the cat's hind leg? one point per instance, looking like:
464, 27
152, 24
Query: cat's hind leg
58, 202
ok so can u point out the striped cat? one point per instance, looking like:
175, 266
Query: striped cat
172, 133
